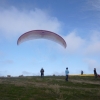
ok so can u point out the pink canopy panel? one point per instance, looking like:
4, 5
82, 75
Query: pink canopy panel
41, 34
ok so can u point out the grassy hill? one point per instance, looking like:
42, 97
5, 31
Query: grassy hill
50, 88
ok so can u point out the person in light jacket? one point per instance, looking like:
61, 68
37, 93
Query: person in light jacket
66, 73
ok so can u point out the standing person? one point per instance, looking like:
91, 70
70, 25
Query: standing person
95, 73
67, 73
42, 72
81, 72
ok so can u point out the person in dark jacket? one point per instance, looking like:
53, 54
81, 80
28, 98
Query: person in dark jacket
42, 72
95, 73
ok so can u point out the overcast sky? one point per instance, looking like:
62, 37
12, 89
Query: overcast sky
77, 21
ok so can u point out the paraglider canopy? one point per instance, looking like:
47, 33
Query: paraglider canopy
41, 34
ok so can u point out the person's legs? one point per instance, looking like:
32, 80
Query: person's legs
66, 77
41, 74
95, 75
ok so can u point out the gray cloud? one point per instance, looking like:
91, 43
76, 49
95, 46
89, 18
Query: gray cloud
93, 44
7, 62
26, 73
87, 46
92, 63
93, 5
74, 42
14, 21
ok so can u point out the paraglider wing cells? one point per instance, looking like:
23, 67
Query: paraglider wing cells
41, 34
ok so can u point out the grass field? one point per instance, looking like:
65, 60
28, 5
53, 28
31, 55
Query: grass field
50, 88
